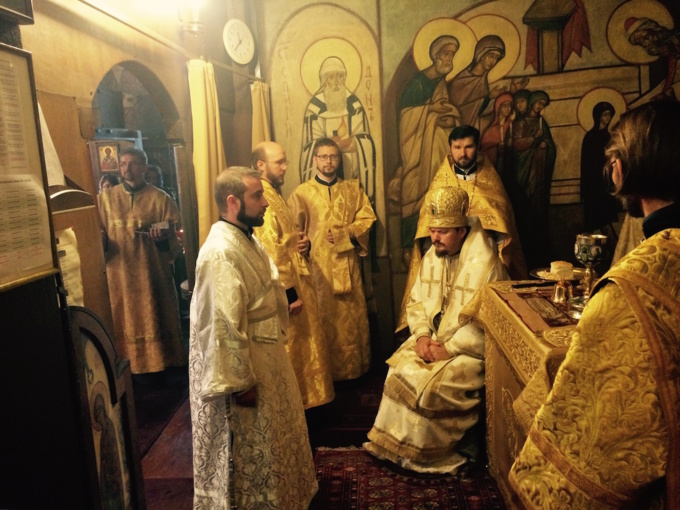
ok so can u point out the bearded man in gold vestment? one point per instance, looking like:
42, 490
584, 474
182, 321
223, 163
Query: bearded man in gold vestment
338, 216
488, 201
608, 433
289, 247
432, 392
139, 224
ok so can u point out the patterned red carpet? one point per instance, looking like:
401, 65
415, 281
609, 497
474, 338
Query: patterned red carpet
350, 478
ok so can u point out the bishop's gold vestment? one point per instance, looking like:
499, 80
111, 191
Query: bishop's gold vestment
490, 203
427, 407
244, 457
306, 346
344, 209
139, 273
609, 430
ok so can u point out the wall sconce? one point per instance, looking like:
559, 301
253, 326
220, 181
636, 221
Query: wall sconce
189, 17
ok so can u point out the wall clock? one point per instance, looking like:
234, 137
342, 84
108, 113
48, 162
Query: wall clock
238, 41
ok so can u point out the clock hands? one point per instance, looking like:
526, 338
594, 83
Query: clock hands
240, 40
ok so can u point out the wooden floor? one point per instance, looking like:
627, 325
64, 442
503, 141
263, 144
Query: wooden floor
164, 418
167, 466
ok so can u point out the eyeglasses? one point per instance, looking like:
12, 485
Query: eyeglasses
326, 157
280, 162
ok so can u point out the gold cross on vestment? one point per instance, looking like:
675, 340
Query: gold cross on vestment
429, 282
464, 288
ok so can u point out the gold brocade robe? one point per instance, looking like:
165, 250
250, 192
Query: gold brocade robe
244, 457
490, 203
609, 430
306, 344
139, 273
345, 210
427, 407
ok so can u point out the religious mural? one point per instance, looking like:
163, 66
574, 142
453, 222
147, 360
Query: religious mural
335, 112
524, 84
543, 81
107, 431
325, 83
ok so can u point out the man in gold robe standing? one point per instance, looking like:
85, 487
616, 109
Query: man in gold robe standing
338, 216
250, 443
139, 223
432, 392
608, 433
289, 247
475, 174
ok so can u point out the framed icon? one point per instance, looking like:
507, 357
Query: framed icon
108, 157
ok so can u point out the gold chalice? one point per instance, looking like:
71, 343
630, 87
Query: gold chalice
589, 251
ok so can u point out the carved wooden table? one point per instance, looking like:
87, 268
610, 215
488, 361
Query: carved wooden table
526, 338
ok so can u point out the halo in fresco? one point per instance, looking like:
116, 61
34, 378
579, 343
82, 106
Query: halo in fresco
444, 26
320, 51
98, 389
488, 24
616, 31
594, 96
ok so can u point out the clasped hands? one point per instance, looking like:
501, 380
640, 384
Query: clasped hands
428, 350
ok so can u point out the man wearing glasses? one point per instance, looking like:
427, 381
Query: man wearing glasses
337, 215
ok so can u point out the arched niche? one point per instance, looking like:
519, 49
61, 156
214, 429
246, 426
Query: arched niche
131, 106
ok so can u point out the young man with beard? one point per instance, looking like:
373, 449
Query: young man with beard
466, 169
432, 392
338, 217
288, 245
250, 441
139, 223
608, 433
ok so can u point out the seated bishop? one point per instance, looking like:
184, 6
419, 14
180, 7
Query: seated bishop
433, 391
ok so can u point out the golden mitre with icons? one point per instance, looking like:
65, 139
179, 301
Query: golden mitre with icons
447, 207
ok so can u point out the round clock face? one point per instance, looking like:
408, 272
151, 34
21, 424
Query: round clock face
238, 41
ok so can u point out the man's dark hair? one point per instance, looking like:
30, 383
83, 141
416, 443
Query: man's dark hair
155, 169
646, 140
324, 142
138, 153
463, 132
112, 179
230, 182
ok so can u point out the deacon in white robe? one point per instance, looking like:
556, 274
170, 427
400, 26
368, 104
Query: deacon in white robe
432, 394
250, 442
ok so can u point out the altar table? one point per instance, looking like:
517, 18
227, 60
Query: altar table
527, 337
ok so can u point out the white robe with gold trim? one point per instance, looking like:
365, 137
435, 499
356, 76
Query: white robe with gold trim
427, 407
238, 311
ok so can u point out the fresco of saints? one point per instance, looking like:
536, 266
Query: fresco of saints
534, 163
425, 120
497, 139
336, 113
657, 41
599, 205
469, 90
